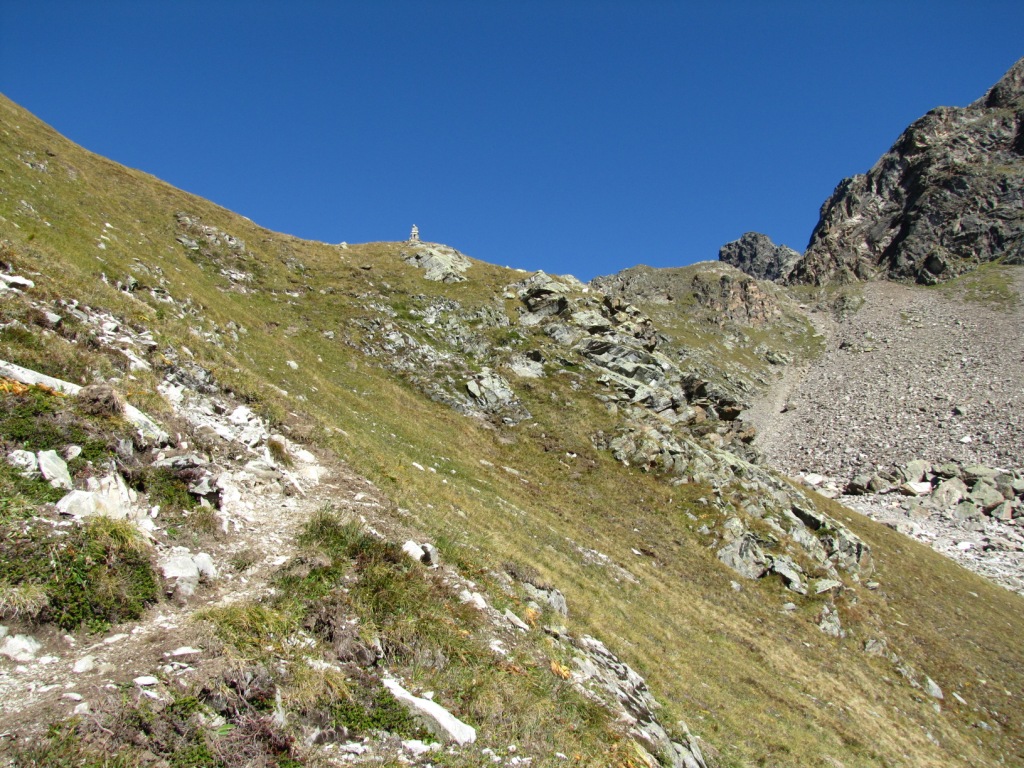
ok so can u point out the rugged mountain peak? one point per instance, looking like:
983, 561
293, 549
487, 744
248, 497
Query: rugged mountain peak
946, 197
759, 257
1008, 92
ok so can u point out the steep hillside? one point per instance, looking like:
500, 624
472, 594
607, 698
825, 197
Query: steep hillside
570, 459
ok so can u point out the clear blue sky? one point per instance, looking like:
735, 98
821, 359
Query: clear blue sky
580, 137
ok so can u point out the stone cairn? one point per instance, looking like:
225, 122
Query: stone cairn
414, 235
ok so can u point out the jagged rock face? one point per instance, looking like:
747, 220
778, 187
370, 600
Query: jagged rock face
735, 297
947, 196
759, 257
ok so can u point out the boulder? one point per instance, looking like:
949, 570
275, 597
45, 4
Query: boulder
915, 471
551, 596
828, 622
949, 493
182, 574
985, 495
745, 556
184, 571
20, 648
490, 390
790, 573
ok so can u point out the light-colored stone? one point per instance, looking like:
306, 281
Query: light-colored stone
25, 462
54, 469
145, 681
413, 550
435, 718
83, 665
745, 556
921, 488
826, 585
204, 564
473, 598
949, 493
20, 648
515, 621
181, 570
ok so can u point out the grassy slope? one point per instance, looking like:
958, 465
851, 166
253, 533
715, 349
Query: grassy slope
762, 687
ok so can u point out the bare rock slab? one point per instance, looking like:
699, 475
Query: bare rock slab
438, 720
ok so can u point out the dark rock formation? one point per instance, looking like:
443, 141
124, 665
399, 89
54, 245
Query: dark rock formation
946, 197
759, 257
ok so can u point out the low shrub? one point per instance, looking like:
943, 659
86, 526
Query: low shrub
91, 575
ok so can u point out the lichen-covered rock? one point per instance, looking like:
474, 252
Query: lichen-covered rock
745, 556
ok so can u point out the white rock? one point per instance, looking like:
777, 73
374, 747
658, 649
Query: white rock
292, 364
241, 416
71, 696
25, 461
473, 598
81, 709
921, 488
515, 621
416, 747
352, 748
182, 570
84, 664
144, 680
186, 650
20, 648
813, 479
54, 469
305, 456
435, 718
16, 281
932, 688
413, 550
204, 564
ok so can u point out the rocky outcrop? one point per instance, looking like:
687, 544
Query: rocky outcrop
600, 675
738, 298
759, 257
441, 263
947, 196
